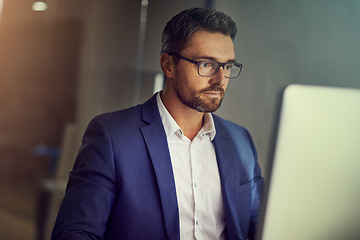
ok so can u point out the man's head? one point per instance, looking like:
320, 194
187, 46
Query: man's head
197, 55
182, 26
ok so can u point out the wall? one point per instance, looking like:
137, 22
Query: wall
282, 42
38, 81
38, 72
109, 45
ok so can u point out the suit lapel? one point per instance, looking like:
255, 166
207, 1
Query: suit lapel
229, 176
156, 142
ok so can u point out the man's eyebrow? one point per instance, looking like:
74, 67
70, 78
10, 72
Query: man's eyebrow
213, 59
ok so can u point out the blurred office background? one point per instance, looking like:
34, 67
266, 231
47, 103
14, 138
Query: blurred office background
64, 61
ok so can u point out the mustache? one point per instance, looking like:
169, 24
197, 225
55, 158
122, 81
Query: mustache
214, 88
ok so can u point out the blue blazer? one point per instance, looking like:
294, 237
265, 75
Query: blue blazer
122, 184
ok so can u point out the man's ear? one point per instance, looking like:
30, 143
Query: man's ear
167, 65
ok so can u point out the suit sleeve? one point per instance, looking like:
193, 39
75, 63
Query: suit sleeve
91, 188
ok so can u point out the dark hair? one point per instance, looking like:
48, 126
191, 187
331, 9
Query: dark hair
182, 26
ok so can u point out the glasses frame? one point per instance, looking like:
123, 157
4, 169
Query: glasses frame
239, 65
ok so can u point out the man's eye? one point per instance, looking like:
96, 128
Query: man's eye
228, 66
207, 64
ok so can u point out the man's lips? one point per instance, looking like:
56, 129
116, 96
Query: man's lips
213, 94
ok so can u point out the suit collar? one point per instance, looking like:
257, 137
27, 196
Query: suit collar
156, 142
149, 111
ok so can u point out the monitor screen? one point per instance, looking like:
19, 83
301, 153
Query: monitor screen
314, 189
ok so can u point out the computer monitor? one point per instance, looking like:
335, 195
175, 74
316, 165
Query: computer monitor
314, 188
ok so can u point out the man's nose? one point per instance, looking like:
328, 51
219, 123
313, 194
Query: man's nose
219, 77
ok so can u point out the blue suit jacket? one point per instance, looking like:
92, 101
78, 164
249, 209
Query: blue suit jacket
122, 184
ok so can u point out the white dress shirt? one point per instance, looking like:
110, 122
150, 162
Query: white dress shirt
197, 180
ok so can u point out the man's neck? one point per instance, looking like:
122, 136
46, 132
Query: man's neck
189, 120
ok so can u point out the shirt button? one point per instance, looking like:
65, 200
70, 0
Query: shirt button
197, 222
195, 185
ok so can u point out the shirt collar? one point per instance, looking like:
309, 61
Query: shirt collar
208, 126
171, 127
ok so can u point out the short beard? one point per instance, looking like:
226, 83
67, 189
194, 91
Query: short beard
193, 100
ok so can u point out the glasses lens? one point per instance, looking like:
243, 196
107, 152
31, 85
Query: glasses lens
210, 68
207, 68
232, 70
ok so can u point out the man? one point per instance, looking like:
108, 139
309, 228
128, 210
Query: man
169, 169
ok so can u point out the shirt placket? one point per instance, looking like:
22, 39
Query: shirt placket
196, 186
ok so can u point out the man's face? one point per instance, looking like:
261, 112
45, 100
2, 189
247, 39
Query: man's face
203, 94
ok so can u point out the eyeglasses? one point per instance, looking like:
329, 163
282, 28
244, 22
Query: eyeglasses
208, 68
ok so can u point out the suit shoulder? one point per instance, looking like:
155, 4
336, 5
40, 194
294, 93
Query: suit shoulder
132, 115
239, 135
232, 130
130, 112
120, 119
228, 125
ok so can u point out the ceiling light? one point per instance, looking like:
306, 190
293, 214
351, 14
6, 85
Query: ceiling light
39, 6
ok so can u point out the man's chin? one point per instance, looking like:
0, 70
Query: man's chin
208, 107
